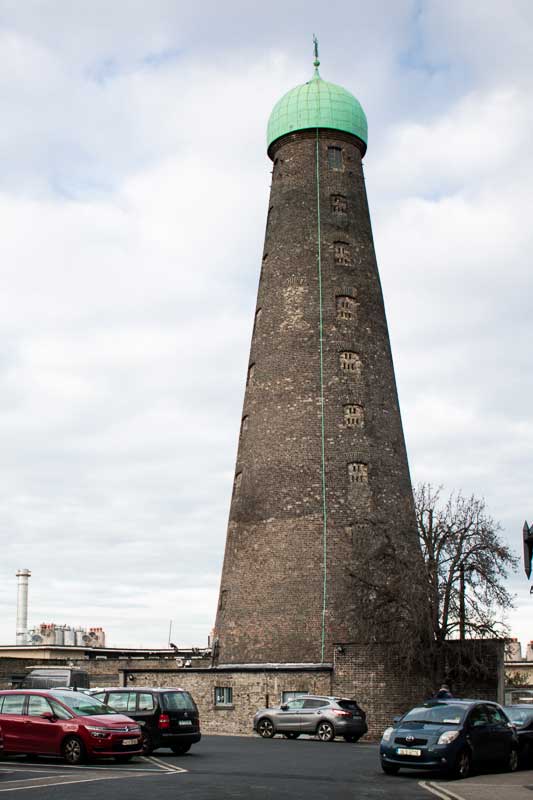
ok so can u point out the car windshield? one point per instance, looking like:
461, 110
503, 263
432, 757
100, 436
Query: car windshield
436, 715
178, 701
83, 704
520, 716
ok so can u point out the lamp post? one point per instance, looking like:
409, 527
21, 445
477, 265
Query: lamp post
527, 531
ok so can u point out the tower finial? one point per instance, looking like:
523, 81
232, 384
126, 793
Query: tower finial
316, 62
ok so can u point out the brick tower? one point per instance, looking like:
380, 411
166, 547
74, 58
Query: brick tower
321, 546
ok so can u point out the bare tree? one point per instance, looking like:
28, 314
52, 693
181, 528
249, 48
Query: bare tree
466, 565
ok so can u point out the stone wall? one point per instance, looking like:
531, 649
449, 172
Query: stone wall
102, 672
377, 680
252, 689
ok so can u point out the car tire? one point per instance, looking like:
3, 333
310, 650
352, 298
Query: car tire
511, 764
73, 751
147, 743
265, 728
180, 749
390, 769
123, 759
352, 738
463, 765
325, 731
291, 735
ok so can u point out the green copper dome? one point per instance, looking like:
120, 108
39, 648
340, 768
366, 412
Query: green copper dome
317, 104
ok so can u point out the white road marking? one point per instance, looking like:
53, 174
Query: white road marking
86, 767
439, 791
164, 765
58, 783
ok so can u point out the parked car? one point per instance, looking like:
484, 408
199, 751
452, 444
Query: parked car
168, 717
522, 718
56, 677
68, 723
52, 677
325, 717
451, 736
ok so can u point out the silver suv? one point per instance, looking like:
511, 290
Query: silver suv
324, 717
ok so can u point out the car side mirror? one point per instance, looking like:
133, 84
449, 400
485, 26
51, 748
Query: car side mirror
396, 720
48, 715
284, 707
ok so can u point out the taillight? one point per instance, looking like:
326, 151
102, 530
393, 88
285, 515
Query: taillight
339, 713
164, 721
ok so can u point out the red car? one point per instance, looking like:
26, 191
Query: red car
65, 722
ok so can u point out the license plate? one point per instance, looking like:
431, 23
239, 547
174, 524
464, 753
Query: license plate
408, 751
130, 741
185, 722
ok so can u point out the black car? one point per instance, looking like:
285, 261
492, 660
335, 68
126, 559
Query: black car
521, 715
450, 736
168, 717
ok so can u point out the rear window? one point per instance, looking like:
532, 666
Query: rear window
13, 704
520, 716
83, 704
178, 701
349, 705
437, 715
122, 701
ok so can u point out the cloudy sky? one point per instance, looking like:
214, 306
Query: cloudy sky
133, 195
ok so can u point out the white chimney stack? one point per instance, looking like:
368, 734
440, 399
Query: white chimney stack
23, 576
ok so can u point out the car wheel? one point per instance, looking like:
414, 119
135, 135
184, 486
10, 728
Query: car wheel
291, 735
73, 750
325, 732
265, 728
351, 738
390, 769
123, 759
147, 743
180, 749
512, 760
463, 763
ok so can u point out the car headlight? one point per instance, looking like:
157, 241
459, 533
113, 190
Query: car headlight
387, 733
97, 732
447, 737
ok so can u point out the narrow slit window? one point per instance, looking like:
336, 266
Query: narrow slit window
354, 416
343, 254
350, 362
358, 472
339, 205
237, 482
257, 318
335, 158
251, 370
244, 424
346, 306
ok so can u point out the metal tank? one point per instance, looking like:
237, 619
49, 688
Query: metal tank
69, 636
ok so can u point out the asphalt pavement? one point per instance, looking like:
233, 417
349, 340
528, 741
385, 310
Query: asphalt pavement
248, 768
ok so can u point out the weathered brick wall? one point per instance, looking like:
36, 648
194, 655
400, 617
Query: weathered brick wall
251, 690
102, 672
376, 679
271, 598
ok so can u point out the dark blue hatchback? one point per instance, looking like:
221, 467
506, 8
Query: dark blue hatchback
451, 736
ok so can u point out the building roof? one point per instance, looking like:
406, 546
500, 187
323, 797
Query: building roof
317, 104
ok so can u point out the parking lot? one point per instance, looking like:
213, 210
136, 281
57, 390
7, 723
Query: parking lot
249, 768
